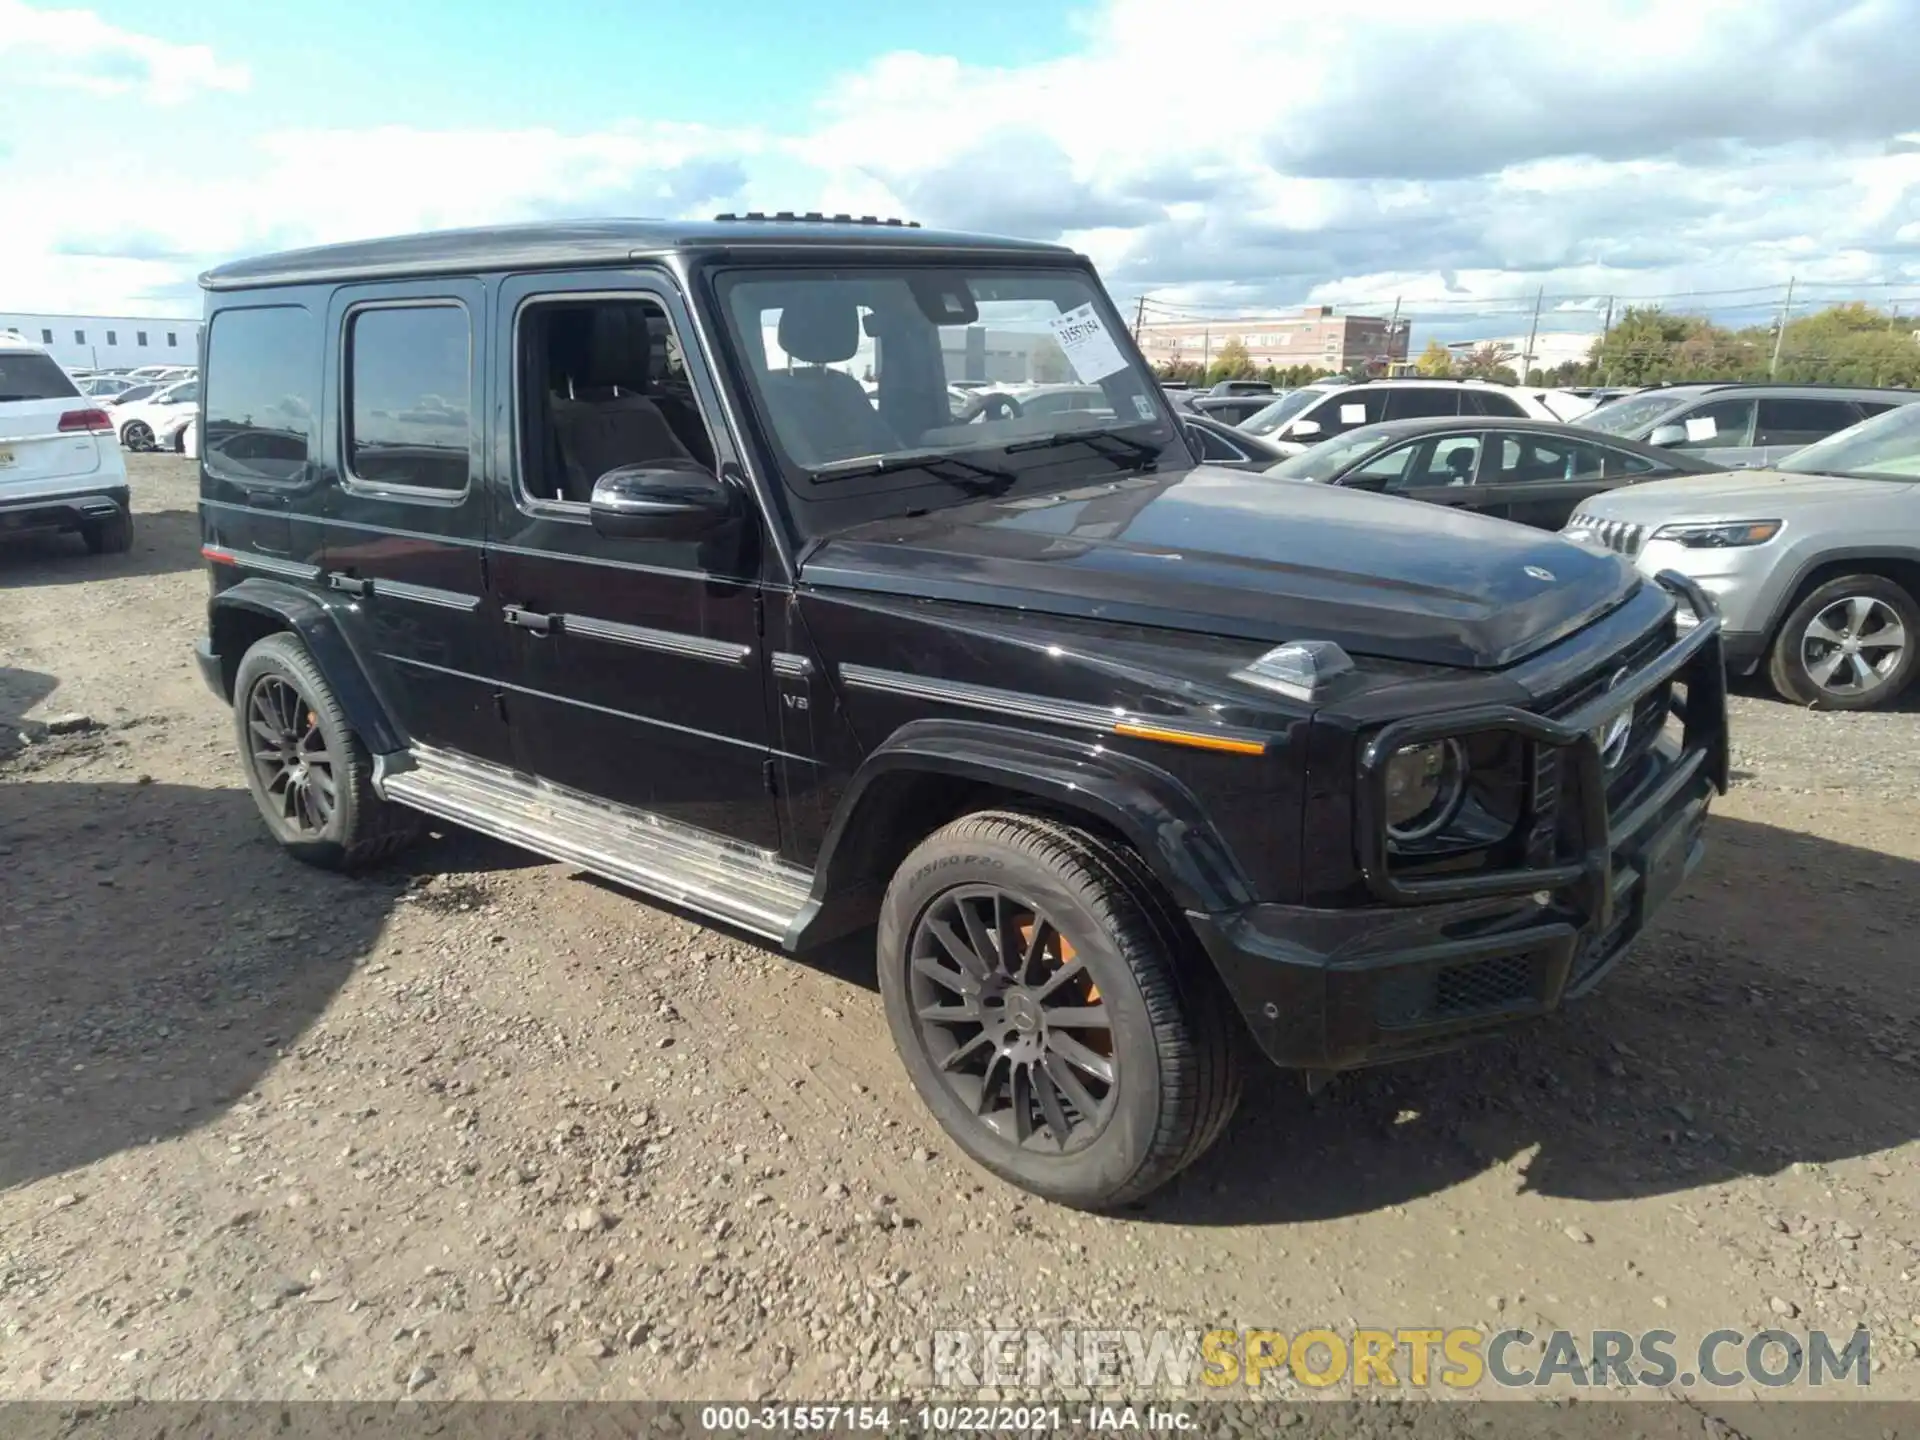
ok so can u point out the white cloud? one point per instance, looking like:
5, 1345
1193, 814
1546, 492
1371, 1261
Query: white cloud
76, 49
1211, 151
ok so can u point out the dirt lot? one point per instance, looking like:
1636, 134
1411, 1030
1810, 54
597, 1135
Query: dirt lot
478, 1126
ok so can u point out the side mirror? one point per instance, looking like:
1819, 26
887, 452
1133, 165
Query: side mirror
661, 500
1304, 429
1668, 435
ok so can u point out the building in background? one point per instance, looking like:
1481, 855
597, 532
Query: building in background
1314, 336
1550, 350
103, 342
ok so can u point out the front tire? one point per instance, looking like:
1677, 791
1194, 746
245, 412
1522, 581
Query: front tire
1052, 1011
1850, 645
310, 776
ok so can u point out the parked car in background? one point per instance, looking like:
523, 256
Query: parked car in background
1243, 387
57, 469
1319, 412
179, 434
1214, 442
1532, 471
139, 424
1563, 404
142, 390
1814, 564
103, 387
1737, 425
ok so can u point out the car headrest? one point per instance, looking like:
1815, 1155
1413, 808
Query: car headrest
820, 328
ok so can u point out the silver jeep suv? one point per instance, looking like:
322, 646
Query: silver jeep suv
1814, 564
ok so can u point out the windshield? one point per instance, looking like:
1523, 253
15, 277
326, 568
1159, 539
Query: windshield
1886, 447
1328, 459
959, 378
1629, 413
1270, 418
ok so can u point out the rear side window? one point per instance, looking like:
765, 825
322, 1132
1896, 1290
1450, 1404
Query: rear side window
263, 367
408, 396
1801, 422
29, 375
1489, 402
1420, 403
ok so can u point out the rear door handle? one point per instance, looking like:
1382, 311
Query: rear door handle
528, 620
352, 584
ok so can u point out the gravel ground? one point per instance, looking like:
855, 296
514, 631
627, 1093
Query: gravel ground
477, 1126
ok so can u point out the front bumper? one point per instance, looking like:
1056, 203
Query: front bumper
1439, 961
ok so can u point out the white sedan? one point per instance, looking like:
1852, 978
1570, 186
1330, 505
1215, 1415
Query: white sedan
141, 423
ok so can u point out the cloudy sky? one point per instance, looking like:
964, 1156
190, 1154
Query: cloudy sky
1223, 156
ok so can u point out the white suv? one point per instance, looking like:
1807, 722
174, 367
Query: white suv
59, 467
1303, 418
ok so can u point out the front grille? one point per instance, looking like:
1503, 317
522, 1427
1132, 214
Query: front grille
1621, 536
1484, 985
1458, 992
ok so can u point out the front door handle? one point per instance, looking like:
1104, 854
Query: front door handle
529, 620
352, 584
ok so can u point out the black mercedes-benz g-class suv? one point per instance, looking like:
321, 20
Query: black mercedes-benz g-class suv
670, 551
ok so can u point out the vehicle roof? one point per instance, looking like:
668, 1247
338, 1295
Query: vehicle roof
1389, 430
594, 242
1687, 389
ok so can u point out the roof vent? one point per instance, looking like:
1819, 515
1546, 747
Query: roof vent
814, 217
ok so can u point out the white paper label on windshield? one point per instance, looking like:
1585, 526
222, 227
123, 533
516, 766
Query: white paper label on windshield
1701, 427
1089, 348
1353, 414
1143, 407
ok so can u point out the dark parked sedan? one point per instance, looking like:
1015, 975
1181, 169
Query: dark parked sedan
1216, 443
1525, 470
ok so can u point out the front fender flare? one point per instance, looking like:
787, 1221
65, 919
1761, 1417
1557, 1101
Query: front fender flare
1156, 813
314, 620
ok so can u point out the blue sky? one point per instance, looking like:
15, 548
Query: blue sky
1219, 156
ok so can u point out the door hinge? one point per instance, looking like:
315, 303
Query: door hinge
486, 572
759, 612
500, 705
767, 769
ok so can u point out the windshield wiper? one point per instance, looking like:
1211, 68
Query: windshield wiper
1110, 444
974, 477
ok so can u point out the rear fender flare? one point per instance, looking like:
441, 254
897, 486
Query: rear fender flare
314, 620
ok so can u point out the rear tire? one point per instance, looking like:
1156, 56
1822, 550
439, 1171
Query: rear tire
109, 537
1873, 615
311, 777
1090, 971
137, 435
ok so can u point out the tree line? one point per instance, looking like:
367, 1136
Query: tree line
1850, 344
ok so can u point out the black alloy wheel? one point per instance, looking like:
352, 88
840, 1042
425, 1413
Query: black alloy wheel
1012, 1019
290, 757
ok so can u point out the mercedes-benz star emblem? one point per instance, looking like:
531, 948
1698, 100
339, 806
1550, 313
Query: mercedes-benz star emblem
1613, 735
1544, 576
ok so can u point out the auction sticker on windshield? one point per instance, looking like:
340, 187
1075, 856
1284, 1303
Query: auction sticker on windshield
1089, 348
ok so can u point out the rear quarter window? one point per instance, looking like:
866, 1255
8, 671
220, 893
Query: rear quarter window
29, 375
261, 384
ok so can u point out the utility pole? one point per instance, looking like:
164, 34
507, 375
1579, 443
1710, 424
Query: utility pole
1393, 329
1533, 331
1139, 317
1606, 329
1780, 335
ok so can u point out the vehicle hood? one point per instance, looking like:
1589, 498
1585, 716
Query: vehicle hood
1225, 552
1735, 495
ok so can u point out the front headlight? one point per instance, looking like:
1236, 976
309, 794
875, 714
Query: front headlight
1425, 785
1720, 535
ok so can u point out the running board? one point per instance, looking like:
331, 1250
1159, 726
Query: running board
753, 889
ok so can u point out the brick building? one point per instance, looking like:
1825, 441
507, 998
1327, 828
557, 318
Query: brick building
1314, 336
